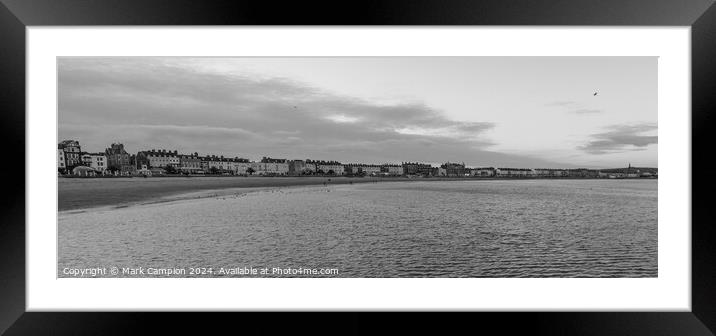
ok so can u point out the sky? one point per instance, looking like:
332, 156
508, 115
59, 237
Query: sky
483, 111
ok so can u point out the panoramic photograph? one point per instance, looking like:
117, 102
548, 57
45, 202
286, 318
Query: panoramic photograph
357, 167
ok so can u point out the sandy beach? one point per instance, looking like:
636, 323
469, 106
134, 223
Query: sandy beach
506, 228
83, 193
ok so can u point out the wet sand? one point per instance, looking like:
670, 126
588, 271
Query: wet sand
84, 193
422, 229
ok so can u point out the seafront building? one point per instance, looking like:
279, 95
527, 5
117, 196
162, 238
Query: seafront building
583, 173
190, 164
328, 167
72, 151
548, 172
514, 172
86, 159
416, 168
241, 167
270, 166
115, 160
455, 169
299, 167
96, 161
310, 168
61, 159
222, 165
371, 170
158, 159
391, 169
119, 161
362, 169
483, 172
215, 164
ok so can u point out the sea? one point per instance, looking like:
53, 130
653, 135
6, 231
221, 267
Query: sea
424, 229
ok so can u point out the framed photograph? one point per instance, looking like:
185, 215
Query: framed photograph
399, 156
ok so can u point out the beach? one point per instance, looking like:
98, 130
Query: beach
83, 193
426, 228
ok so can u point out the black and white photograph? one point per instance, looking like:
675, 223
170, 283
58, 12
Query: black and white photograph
357, 167
218, 159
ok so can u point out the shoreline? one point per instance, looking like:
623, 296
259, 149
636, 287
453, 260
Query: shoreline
83, 194
185, 196
79, 194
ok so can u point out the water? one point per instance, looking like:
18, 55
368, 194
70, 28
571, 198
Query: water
499, 228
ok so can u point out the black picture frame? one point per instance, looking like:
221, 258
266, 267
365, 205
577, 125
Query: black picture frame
16, 15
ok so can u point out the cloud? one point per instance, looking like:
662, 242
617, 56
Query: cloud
566, 103
146, 103
621, 138
586, 111
342, 118
574, 107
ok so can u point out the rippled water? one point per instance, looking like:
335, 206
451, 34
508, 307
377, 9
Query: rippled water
499, 228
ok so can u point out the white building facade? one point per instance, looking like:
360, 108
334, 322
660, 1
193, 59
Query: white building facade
371, 170
161, 160
270, 168
241, 168
61, 159
514, 172
309, 167
98, 162
337, 169
483, 172
392, 170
